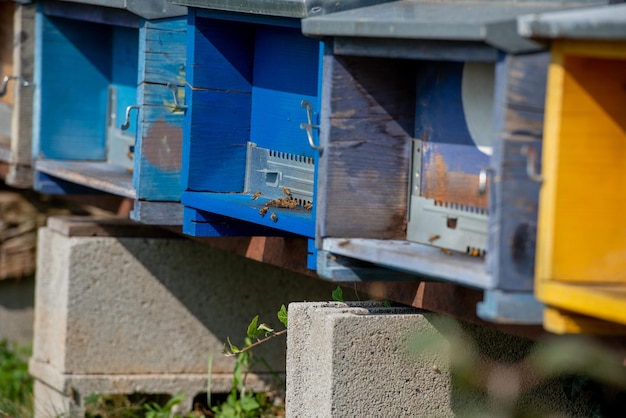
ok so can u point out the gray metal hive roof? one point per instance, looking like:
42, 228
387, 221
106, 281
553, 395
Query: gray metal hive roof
283, 8
148, 9
606, 22
488, 21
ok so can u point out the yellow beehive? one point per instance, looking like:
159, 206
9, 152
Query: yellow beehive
581, 236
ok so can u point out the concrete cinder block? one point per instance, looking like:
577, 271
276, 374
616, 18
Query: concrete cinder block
58, 394
109, 309
361, 359
353, 359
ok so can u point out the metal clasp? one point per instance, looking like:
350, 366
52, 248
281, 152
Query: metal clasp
174, 89
5, 82
483, 178
531, 161
308, 127
126, 123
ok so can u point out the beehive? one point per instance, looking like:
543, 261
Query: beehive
17, 33
431, 127
581, 263
109, 96
250, 148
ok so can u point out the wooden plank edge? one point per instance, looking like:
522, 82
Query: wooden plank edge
561, 321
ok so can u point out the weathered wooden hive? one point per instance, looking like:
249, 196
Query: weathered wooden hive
250, 148
431, 129
17, 34
108, 115
581, 244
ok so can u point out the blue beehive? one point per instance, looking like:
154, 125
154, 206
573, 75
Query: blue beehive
108, 101
431, 128
16, 92
250, 153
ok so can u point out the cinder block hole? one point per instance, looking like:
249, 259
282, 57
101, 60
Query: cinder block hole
200, 400
104, 404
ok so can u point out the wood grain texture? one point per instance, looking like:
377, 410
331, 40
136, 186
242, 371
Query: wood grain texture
285, 73
217, 122
340, 269
157, 213
246, 84
220, 54
425, 261
162, 48
73, 80
7, 12
214, 141
367, 119
513, 199
97, 175
560, 321
23, 50
158, 149
600, 301
580, 238
90, 13
240, 207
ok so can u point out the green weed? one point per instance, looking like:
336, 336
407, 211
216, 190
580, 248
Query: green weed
16, 385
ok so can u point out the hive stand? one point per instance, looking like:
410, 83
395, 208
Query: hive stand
125, 308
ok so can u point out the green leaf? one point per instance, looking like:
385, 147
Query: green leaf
387, 304
282, 315
248, 403
174, 401
233, 348
265, 328
338, 294
252, 328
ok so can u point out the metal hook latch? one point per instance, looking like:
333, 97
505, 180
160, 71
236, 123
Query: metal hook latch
126, 124
5, 82
174, 89
308, 127
531, 160
483, 176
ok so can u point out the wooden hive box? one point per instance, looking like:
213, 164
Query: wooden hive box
17, 34
109, 102
581, 242
431, 129
250, 136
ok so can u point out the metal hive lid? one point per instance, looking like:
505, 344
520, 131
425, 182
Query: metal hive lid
605, 22
148, 9
284, 8
489, 21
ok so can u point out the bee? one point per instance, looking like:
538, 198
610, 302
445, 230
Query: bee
256, 195
446, 251
433, 238
274, 217
344, 243
308, 205
263, 210
286, 191
270, 203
